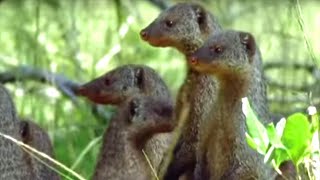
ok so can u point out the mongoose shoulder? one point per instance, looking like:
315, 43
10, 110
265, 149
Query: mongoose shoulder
34, 136
136, 121
12, 164
223, 152
127, 81
185, 27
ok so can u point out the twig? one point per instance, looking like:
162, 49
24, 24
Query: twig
66, 86
22, 73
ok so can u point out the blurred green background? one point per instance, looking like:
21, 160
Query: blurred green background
83, 39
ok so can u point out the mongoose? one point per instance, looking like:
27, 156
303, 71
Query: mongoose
136, 121
37, 138
12, 164
185, 27
223, 152
127, 81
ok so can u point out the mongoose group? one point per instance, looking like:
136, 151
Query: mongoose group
223, 67
15, 163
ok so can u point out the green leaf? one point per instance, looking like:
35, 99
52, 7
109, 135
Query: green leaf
256, 130
296, 136
251, 142
280, 155
274, 137
276, 155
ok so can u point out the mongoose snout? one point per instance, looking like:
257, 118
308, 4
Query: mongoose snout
144, 34
97, 96
155, 36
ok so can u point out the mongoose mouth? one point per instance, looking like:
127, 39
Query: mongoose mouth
159, 42
199, 65
99, 97
105, 99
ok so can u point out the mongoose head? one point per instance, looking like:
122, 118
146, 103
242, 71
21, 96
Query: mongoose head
35, 137
184, 26
226, 54
147, 116
124, 82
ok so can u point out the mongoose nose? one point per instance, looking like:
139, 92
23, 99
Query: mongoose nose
193, 60
144, 34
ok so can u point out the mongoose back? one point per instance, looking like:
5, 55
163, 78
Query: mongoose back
37, 138
136, 121
12, 164
127, 81
223, 152
185, 27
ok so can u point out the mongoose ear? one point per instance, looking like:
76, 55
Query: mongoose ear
201, 15
139, 77
249, 43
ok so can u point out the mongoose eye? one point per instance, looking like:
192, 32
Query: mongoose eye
107, 82
169, 23
24, 129
217, 49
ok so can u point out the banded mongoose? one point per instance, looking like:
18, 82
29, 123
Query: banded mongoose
223, 152
37, 138
127, 81
185, 27
136, 121
12, 164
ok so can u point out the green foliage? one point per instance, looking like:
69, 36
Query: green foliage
83, 39
291, 139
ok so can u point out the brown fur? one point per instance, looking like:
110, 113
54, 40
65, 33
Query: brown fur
37, 138
188, 34
223, 153
137, 120
192, 25
127, 81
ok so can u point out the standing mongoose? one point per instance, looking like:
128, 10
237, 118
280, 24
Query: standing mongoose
127, 81
223, 152
38, 139
137, 119
185, 27
12, 164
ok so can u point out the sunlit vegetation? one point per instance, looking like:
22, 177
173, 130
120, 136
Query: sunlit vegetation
83, 39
